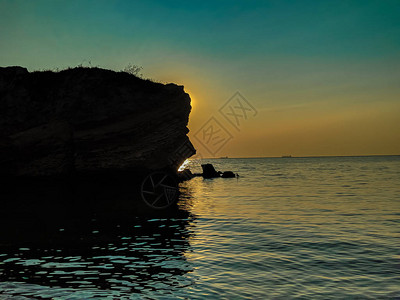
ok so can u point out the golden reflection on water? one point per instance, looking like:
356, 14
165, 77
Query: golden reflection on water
319, 223
322, 224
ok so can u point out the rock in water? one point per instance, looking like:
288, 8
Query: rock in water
89, 120
209, 171
228, 174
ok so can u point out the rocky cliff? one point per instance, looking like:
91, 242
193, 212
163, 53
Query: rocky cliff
89, 120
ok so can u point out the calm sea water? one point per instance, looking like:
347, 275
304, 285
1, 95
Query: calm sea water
288, 228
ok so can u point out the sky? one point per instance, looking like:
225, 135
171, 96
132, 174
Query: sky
266, 78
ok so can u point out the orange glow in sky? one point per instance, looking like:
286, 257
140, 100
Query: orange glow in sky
324, 77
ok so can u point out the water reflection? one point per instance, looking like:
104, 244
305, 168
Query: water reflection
55, 254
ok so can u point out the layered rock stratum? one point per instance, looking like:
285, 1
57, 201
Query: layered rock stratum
89, 120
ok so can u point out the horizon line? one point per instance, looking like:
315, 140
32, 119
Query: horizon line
308, 156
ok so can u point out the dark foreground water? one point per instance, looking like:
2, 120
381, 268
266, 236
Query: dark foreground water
288, 228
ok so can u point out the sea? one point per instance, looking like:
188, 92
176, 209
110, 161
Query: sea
285, 228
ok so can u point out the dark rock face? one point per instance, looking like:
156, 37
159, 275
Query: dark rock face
89, 120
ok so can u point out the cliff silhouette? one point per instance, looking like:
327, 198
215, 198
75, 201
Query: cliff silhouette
89, 121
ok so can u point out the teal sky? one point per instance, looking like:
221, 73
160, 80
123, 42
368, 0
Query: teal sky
318, 72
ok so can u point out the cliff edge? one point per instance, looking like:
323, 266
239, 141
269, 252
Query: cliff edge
89, 120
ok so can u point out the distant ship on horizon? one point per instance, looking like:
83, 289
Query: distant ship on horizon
224, 157
286, 156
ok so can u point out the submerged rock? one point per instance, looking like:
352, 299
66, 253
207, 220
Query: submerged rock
228, 174
89, 120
